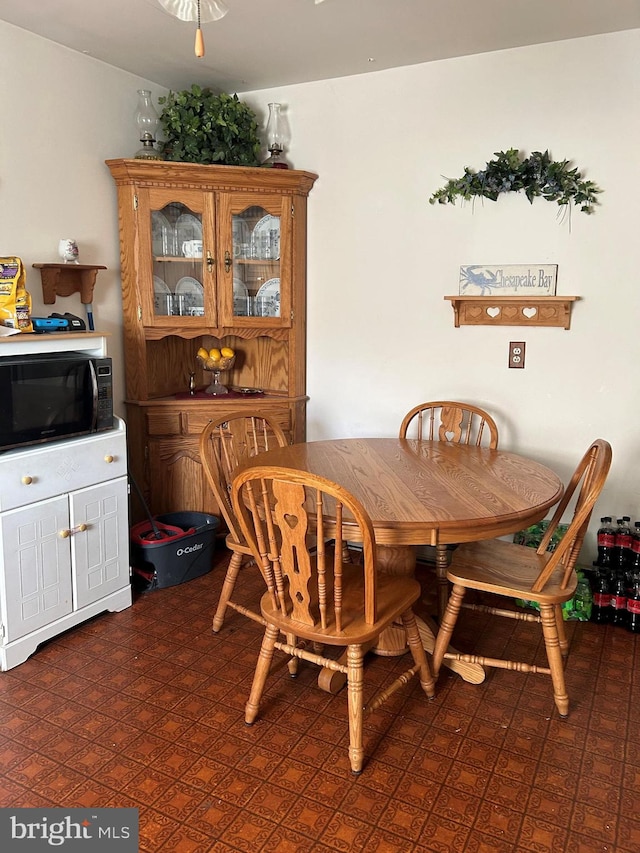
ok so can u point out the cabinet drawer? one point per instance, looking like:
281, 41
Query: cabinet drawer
44, 472
197, 421
164, 423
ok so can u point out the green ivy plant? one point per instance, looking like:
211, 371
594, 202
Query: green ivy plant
202, 127
538, 175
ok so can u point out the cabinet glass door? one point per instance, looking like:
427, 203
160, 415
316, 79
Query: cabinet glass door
178, 264
256, 263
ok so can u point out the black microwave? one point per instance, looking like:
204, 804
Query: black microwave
54, 396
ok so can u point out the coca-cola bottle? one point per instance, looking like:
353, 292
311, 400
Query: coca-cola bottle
601, 604
606, 542
634, 563
633, 605
627, 544
622, 544
618, 605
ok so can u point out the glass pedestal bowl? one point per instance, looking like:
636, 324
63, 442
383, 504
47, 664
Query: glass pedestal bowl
216, 367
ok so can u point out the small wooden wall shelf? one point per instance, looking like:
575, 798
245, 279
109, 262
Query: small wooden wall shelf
512, 310
65, 279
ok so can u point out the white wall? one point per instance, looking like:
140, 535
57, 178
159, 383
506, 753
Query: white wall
381, 258
64, 114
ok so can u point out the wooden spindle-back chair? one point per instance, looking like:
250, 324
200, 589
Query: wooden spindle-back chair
296, 525
445, 420
544, 577
225, 444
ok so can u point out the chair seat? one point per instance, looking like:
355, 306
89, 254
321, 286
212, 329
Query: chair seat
239, 547
394, 596
503, 568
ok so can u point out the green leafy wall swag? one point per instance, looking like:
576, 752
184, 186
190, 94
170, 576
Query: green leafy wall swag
538, 175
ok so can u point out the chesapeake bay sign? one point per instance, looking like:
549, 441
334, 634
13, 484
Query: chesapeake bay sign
509, 280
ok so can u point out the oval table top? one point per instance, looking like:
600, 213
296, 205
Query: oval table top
430, 492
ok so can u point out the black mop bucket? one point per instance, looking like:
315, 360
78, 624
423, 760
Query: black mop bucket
177, 558
170, 549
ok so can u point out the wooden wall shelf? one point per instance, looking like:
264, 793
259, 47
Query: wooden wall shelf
65, 279
512, 310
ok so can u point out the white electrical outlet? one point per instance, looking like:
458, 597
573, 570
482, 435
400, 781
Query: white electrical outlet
516, 353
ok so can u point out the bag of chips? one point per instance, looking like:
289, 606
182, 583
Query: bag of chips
15, 299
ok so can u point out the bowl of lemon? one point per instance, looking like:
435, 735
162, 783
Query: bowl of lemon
216, 361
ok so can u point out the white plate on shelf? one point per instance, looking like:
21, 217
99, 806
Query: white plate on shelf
163, 236
268, 299
162, 297
265, 240
190, 295
188, 227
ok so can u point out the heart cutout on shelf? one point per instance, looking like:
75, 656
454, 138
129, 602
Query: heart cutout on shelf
529, 312
493, 312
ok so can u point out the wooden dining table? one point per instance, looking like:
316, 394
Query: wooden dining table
428, 493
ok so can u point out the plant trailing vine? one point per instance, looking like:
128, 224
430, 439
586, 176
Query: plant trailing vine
538, 175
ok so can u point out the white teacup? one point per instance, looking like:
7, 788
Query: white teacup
192, 248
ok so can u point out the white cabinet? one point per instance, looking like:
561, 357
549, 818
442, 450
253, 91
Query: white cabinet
64, 538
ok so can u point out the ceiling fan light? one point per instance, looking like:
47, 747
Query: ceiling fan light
187, 10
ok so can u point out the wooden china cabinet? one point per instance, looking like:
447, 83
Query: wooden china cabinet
212, 257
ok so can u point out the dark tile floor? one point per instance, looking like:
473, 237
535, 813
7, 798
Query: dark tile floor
144, 708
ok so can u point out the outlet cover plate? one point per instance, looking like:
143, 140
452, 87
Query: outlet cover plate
516, 354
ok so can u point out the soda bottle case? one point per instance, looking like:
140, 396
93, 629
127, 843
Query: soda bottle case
582, 600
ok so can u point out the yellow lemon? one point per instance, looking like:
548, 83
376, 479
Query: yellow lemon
203, 353
227, 352
215, 354
211, 363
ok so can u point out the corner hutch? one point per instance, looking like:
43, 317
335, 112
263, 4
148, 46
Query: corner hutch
212, 257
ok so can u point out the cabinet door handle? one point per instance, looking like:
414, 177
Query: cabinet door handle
108, 458
210, 261
227, 261
79, 528
27, 481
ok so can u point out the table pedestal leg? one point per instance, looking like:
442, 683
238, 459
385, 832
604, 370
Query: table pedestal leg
401, 560
442, 563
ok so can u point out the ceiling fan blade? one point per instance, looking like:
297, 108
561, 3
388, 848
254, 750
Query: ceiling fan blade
187, 10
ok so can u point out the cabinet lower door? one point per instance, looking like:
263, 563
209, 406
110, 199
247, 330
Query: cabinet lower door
100, 554
176, 479
36, 587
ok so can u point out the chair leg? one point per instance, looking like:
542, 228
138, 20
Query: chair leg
292, 666
355, 683
554, 656
447, 624
414, 641
230, 578
262, 671
562, 636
